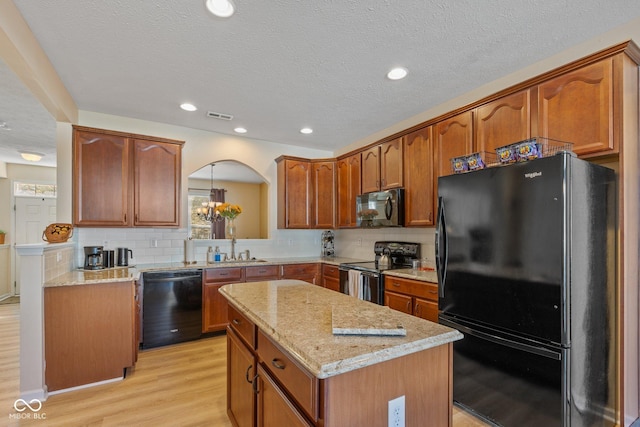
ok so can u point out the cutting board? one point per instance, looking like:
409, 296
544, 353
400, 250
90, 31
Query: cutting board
344, 321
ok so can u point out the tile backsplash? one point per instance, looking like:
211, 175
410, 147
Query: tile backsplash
161, 245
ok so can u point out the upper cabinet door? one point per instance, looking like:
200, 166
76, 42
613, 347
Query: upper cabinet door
418, 178
391, 164
349, 186
503, 121
371, 169
324, 200
578, 107
294, 193
101, 188
157, 180
454, 138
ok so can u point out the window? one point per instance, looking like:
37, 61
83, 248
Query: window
198, 228
29, 189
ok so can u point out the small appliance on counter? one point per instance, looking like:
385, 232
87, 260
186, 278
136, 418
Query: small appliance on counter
327, 243
93, 258
122, 256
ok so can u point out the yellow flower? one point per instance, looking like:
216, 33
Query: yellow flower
227, 210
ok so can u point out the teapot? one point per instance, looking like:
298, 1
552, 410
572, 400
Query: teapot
385, 259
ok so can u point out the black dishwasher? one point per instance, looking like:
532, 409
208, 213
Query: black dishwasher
171, 307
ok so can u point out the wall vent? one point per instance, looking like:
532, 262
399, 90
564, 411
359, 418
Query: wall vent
220, 116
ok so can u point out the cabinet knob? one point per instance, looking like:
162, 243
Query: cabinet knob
409, 306
277, 363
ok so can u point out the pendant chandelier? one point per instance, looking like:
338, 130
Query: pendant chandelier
207, 211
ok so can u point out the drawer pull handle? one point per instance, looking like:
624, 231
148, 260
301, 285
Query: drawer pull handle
235, 321
224, 274
395, 284
246, 375
278, 364
433, 292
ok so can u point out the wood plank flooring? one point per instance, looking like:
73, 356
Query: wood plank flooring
179, 385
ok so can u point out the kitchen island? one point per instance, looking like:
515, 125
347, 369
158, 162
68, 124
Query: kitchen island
286, 366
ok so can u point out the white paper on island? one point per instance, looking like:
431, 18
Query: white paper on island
345, 321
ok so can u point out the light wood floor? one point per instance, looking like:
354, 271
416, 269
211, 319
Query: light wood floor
180, 385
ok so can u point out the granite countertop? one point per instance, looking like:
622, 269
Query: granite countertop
298, 316
119, 274
409, 273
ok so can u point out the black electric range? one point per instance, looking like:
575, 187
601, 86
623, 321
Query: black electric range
368, 282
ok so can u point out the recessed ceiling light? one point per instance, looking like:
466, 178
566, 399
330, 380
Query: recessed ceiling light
4, 126
240, 130
397, 73
31, 156
306, 131
221, 8
188, 107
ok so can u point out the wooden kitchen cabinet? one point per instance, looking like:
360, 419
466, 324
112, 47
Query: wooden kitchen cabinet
453, 138
419, 179
295, 192
382, 166
274, 409
324, 199
241, 367
578, 107
331, 277
89, 333
412, 297
256, 273
349, 187
503, 121
214, 305
308, 272
125, 180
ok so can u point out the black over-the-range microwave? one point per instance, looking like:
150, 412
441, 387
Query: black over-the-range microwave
380, 208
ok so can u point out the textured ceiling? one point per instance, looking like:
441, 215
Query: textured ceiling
279, 65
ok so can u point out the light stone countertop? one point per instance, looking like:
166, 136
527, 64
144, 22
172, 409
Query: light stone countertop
298, 316
408, 273
119, 274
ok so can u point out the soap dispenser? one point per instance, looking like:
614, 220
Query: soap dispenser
210, 256
217, 254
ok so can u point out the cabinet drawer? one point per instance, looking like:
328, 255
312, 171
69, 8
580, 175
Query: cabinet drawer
224, 275
242, 326
299, 269
416, 288
331, 271
263, 272
301, 385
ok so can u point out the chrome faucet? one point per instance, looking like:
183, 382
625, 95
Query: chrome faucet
233, 249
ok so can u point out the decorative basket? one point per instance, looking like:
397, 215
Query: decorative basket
57, 233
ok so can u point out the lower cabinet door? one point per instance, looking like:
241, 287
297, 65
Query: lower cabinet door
241, 366
274, 408
398, 302
426, 309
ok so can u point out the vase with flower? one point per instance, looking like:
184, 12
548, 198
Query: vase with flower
229, 212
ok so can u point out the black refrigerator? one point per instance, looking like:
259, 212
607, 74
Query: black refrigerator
526, 257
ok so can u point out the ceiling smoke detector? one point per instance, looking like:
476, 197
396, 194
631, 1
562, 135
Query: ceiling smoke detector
220, 116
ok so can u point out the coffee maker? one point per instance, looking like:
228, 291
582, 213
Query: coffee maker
93, 258
327, 243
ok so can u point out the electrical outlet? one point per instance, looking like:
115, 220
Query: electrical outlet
359, 242
290, 242
396, 412
58, 256
154, 243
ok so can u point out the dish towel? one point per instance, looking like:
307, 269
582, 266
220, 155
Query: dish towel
355, 284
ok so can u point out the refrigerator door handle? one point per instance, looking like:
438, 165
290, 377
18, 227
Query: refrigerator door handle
540, 351
441, 248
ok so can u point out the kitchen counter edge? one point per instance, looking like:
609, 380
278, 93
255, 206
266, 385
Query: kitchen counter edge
123, 274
